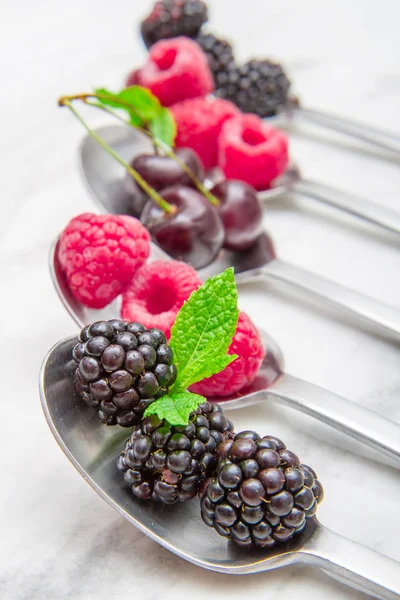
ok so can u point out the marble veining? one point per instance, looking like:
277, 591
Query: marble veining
58, 539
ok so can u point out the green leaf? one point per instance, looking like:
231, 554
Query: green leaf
163, 127
142, 100
203, 330
112, 100
175, 408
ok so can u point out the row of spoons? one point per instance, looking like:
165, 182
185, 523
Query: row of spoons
358, 566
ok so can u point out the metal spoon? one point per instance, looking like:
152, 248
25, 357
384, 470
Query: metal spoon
384, 140
104, 178
271, 384
92, 449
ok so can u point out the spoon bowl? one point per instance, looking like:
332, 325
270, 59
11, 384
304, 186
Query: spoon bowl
272, 383
93, 449
107, 180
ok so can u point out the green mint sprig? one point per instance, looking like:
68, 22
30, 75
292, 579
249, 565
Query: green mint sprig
143, 109
175, 408
200, 339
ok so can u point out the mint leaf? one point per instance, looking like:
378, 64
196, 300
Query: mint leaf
163, 126
175, 408
203, 330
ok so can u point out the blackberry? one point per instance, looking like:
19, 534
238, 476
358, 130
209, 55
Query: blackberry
259, 86
122, 368
219, 55
169, 464
261, 494
172, 18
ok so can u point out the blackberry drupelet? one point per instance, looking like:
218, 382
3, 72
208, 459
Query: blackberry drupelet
173, 18
259, 86
169, 463
261, 494
122, 368
219, 55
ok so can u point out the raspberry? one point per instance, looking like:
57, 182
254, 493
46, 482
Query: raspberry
176, 69
171, 18
121, 369
132, 79
169, 464
247, 344
252, 151
100, 254
158, 292
199, 123
261, 495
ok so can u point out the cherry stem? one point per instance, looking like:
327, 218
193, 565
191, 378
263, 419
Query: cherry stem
163, 204
145, 130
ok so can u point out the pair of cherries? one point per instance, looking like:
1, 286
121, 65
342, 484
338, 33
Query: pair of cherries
195, 230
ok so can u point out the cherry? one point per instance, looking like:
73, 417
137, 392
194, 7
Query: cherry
241, 213
193, 233
133, 197
159, 172
163, 171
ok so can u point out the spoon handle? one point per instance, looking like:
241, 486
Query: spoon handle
333, 293
354, 205
346, 416
356, 565
372, 135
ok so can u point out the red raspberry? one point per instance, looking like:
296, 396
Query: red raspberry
158, 292
99, 255
176, 69
199, 123
132, 79
252, 151
247, 344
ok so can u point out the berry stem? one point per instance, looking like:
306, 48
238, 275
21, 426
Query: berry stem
163, 204
145, 130
214, 201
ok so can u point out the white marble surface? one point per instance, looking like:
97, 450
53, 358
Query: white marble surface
58, 539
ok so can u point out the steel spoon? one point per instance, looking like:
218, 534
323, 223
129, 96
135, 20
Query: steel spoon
92, 448
271, 384
104, 178
383, 140
105, 181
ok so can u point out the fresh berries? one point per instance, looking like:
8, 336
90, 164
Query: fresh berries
193, 233
259, 86
252, 151
163, 171
240, 373
169, 464
100, 254
157, 293
241, 213
176, 69
219, 55
261, 494
173, 18
122, 368
199, 123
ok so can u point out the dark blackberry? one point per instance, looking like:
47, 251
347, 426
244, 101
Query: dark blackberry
259, 86
172, 18
122, 368
169, 464
260, 494
219, 55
